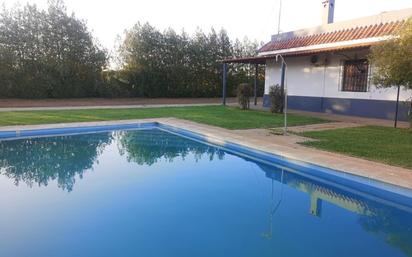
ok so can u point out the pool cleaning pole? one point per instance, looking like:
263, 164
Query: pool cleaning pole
285, 91
285, 131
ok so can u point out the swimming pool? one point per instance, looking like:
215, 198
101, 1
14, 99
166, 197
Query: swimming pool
153, 190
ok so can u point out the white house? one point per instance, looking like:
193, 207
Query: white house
327, 67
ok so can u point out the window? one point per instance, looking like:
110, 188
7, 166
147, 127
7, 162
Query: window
355, 76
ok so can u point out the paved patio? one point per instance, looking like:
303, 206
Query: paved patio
347, 121
323, 126
262, 139
353, 119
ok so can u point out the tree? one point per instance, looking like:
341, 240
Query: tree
168, 64
51, 54
392, 60
48, 53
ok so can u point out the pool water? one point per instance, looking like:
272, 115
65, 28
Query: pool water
153, 193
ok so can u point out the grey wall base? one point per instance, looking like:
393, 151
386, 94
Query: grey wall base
355, 107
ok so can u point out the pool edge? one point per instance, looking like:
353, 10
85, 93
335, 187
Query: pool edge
255, 152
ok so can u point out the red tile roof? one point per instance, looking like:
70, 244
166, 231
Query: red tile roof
371, 31
263, 58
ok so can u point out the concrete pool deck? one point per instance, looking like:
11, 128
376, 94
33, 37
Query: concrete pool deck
263, 139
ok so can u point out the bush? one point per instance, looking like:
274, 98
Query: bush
277, 98
244, 92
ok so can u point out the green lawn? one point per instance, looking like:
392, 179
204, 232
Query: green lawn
382, 144
226, 117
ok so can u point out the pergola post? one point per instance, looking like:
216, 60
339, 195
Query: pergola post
224, 82
255, 83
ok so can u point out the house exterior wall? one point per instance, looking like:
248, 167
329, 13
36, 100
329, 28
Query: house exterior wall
318, 88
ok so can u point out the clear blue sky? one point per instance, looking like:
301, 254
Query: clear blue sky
256, 19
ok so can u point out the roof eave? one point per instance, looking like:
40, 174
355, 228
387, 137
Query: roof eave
365, 42
261, 59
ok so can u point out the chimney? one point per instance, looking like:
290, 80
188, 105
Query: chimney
328, 8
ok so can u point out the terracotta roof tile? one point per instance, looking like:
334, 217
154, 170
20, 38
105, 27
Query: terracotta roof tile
262, 59
362, 32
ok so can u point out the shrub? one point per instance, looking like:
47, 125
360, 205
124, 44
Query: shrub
244, 92
277, 98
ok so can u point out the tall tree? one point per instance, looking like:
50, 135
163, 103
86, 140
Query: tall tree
48, 53
168, 64
392, 61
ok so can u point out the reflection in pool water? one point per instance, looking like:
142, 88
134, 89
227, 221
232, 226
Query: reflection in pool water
152, 193
142, 147
40, 160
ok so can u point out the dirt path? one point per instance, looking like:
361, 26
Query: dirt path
17, 103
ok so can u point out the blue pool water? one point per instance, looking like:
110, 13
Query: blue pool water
153, 193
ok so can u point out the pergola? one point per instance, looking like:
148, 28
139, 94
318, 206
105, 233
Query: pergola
254, 60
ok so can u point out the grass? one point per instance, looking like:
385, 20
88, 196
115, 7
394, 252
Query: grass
226, 117
382, 144
387, 145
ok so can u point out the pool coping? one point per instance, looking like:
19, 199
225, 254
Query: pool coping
232, 141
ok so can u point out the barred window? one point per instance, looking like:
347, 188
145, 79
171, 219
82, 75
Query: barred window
355, 75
